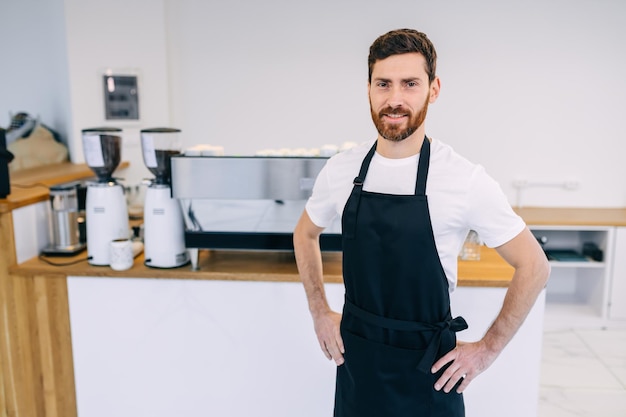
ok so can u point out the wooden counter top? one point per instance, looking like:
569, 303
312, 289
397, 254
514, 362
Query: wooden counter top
490, 271
566, 216
30, 186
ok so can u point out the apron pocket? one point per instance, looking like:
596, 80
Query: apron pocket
381, 380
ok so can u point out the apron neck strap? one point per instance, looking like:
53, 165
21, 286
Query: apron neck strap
358, 181
422, 168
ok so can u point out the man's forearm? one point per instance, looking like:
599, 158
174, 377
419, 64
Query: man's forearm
309, 262
309, 259
523, 291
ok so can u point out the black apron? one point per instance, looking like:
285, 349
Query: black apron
396, 320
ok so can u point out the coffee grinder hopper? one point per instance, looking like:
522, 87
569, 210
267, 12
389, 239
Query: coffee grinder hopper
158, 146
102, 148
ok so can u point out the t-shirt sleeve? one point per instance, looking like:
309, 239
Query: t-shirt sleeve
490, 214
320, 206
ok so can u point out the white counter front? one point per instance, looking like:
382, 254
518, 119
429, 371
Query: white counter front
168, 347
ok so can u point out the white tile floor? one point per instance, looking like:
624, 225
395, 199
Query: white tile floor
583, 372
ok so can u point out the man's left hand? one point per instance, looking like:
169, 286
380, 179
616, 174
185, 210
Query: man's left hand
466, 361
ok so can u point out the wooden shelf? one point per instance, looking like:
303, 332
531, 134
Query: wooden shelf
31, 186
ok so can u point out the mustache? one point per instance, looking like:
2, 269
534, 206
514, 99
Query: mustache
393, 110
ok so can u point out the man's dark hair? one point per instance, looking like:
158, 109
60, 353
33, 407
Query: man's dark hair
403, 41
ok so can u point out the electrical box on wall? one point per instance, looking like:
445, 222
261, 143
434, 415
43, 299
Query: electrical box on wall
121, 97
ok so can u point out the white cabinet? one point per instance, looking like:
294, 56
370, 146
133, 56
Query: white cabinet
617, 303
578, 291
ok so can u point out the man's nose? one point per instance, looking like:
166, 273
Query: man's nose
395, 97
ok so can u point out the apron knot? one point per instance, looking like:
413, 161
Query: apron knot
451, 325
457, 324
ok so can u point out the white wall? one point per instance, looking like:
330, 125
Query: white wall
532, 90
33, 63
55, 53
127, 37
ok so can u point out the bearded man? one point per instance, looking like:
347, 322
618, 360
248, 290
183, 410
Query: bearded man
406, 203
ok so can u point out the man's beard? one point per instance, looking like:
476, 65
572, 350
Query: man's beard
396, 133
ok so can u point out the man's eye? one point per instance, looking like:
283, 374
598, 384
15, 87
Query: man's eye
411, 84
381, 84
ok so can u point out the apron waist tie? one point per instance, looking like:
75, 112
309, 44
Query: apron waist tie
453, 324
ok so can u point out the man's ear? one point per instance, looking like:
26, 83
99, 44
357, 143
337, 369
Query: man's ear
435, 88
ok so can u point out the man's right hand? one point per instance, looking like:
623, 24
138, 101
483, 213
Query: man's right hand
328, 335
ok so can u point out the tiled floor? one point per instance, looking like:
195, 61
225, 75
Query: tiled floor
583, 372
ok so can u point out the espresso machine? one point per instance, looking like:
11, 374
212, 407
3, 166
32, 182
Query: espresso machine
246, 202
66, 220
164, 230
105, 204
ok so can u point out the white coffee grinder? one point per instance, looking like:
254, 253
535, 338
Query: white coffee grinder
164, 232
106, 213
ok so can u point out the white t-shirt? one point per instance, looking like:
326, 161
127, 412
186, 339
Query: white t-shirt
461, 196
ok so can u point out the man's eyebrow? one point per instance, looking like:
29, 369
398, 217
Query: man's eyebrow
404, 80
